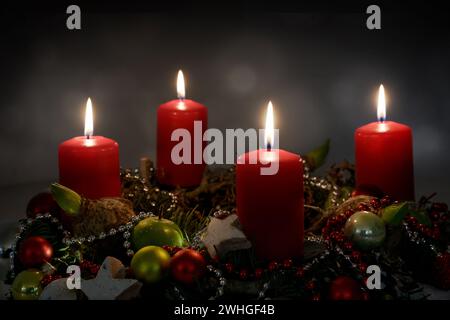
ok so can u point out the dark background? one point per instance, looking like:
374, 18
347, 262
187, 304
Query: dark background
319, 64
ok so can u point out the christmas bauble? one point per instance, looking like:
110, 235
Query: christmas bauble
187, 266
35, 251
150, 264
42, 203
27, 285
365, 229
345, 288
154, 231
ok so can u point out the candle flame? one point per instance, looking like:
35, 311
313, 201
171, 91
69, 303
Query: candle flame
269, 133
180, 85
381, 109
88, 120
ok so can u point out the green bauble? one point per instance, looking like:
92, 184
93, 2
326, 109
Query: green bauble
27, 285
365, 229
150, 264
154, 231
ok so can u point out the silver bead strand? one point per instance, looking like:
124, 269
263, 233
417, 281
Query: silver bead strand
222, 282
323, 184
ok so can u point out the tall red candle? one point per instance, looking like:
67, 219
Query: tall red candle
384, 156
191, 116
90, 164
270, 207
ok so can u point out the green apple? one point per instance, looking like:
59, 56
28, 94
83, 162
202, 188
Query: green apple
155, 231
150, 264
27, 285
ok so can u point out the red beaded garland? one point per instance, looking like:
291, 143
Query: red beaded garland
48, 278
300, 272
345, 288
310, 285
89, 267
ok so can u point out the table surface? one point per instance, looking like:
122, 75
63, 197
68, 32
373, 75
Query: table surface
14, 200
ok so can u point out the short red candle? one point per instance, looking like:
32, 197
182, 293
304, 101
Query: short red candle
384, 156
270, 207
180, 114
90, 166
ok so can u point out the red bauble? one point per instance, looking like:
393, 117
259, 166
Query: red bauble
310, 285
375, 203
273, 265
229, 267
258, 273
362, 267
243, 274
345, 288
356, 256
348, 245
187, 266
300, 272
35, 251
287, 263
42, 203
316, 297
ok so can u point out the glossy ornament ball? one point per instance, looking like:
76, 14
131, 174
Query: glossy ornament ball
187, 266
154, 231
345, 288
35, 251
150, 264
365, 229
43, 203
27, 285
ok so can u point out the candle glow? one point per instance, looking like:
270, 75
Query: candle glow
181, 91
381, 108
269, 133
89, 120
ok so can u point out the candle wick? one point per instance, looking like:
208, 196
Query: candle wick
269, 147
88, 136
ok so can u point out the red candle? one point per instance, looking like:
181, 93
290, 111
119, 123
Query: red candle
192, 118
270, 207
384, 156
90, 164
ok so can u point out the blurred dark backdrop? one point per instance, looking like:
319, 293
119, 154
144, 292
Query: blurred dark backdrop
320, 67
